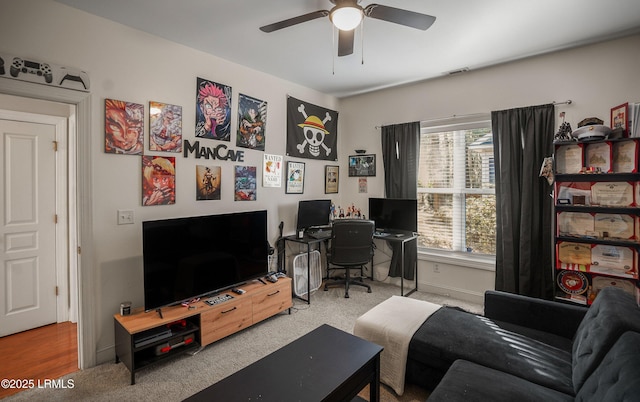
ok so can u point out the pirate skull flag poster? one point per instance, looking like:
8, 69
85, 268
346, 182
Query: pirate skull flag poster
312, 131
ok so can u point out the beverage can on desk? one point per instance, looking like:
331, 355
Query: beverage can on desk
125, 308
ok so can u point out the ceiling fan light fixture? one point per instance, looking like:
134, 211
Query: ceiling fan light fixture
346, 18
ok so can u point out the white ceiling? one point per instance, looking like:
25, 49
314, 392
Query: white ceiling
466, 34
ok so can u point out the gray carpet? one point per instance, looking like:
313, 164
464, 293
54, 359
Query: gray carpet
183, 376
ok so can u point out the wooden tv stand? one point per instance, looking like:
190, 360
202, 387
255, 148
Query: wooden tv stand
197, 326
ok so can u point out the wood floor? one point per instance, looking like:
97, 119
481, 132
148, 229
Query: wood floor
47, 352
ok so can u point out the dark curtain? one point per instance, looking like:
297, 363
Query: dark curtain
522, 138
400, 155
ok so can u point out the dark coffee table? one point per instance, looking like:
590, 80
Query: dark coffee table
326, 364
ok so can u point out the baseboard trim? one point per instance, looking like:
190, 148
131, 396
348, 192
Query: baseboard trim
105, 355
456, 293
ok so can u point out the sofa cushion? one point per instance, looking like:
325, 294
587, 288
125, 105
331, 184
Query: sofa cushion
612, 313
470, 382
548, 316
550, 339
450, 334
617, 377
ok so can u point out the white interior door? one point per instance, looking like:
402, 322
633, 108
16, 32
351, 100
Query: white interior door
28, 230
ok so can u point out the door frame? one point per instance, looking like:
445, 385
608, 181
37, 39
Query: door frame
80, 222
64, 206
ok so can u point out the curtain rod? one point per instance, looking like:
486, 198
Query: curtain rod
457, 116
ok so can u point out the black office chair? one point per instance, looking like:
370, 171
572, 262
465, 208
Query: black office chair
351, 246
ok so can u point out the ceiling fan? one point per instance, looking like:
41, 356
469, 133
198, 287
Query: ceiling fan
346, 15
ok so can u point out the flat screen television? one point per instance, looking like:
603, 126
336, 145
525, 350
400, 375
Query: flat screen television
186, 258
313, 213
394, 214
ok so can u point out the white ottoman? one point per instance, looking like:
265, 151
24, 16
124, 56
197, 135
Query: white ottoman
391, 324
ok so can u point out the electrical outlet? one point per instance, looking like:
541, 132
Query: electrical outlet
436, 268
125, 217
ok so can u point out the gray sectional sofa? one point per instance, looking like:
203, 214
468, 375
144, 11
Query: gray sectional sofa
530, 349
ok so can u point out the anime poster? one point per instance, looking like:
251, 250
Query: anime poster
158, 180
252, 122
208, 182
362, 165
246, 183
362, 184
123, 127
213, 110
312, 131
331, 179
165, 127
272, 171
295, 178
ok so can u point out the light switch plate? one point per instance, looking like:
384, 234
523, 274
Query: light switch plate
125, 217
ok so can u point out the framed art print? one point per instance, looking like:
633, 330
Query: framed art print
252, 122
272, 171
331, 179
213, 110
245, 183
362, 165
158, 180
363, 185
165, 127
123, 127
295, 178
619, 117
208, 182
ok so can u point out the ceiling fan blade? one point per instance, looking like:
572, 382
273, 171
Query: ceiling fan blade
345, 42
399, 16
294, 21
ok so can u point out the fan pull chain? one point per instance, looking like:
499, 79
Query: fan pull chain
333, 52
362, 41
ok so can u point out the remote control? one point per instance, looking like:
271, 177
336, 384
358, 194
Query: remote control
238, 291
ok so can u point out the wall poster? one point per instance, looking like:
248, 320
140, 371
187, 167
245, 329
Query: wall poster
295, 178
208, 182
312, 131
165, 127
245, 183
362, 185
123, 127
362, 165
272, 171
252, 122
213, 110
331, 179
158, 180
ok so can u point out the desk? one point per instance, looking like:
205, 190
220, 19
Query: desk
401, 238
308, 240
326, 364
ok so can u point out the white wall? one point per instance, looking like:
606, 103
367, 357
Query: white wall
130, 65
596, 78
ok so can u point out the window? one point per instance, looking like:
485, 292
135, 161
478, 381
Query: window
456, 187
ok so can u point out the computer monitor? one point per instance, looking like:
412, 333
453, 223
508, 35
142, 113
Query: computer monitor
313, 213
394, 214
